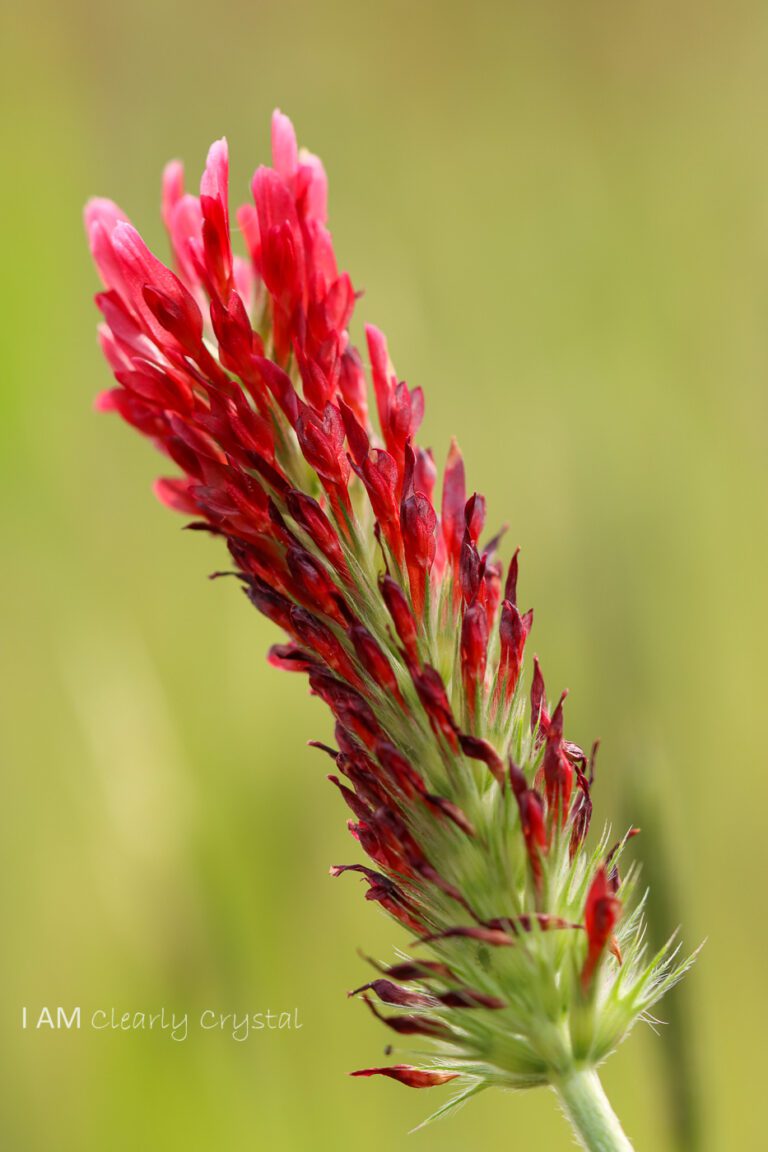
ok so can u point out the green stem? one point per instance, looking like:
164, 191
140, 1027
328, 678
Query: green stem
586, 1106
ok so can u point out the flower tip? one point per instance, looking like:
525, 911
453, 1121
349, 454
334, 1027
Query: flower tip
321, 747
101, 211
285, 154
171, 191
125, 236
411, 1077
105, 401
215, 175
454, 452
91, 211
378, 349
174, 493
601, 915
173, 172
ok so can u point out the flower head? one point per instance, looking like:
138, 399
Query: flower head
526, 954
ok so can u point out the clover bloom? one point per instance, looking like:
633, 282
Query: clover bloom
525, 962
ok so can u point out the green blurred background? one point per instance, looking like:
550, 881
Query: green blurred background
559, 213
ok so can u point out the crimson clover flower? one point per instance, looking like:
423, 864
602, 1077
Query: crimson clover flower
526, 964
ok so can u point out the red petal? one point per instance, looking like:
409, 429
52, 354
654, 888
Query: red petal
454, 500
285, 152
411, 1077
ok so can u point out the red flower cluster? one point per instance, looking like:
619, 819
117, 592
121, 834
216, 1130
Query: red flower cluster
242, 373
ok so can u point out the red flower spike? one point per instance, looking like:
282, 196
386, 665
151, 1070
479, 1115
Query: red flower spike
243, 372
601, 914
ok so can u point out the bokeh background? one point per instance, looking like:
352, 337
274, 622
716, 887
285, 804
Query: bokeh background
559, 213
